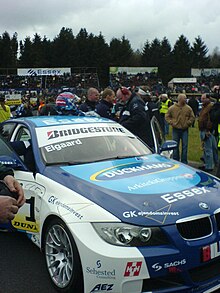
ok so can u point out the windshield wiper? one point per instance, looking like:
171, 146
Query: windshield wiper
124, 157
71, 163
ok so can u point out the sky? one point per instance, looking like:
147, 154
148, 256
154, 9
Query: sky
137, 20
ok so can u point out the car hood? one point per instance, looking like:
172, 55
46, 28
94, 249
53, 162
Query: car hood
148, 190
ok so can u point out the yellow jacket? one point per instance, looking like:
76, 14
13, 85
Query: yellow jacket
5, 114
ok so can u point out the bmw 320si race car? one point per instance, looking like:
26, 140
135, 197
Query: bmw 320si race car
110, 215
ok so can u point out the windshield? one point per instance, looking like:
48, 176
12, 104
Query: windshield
79, 144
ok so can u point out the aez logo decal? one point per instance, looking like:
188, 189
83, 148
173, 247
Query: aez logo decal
102, 288
132, 169
133, 269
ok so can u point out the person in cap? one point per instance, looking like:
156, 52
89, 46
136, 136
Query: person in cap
149, 104
5, 111
134, 117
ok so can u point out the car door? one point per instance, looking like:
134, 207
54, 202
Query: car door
159, 138
27, 219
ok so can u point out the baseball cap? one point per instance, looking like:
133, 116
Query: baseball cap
125, 91
143, 93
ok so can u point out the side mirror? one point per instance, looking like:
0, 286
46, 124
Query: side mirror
11, 162
168, 145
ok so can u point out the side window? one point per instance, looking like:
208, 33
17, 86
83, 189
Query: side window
24, 150
157, 133
4, 148
6, 130
23, 134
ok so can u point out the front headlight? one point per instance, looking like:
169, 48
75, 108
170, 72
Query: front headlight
130, 235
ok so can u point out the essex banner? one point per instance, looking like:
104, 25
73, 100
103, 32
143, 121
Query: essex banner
42, 71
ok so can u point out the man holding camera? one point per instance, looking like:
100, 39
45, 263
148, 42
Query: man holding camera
11, 195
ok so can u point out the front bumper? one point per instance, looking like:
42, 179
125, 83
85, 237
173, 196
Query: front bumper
131, 270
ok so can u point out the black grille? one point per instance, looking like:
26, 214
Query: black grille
217, 219
194, 229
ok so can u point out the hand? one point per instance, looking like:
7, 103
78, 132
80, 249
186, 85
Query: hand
8, 208
15, 186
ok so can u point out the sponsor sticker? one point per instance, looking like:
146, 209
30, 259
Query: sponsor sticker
210, 251
54, 200
159, 215
130, 170
133, 269
62, 145
173, 197
61, 133
169, 265
102, 274
102, 288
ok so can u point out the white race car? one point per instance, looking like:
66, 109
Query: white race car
110, 215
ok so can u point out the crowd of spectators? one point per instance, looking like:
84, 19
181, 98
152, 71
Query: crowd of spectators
204, 84
78, 82
130, 80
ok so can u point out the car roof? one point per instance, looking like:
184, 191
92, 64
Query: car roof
45, 121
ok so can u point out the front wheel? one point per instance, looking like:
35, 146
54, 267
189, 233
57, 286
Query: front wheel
62, 258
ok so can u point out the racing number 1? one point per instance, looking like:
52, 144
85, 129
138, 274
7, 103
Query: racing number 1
31, 202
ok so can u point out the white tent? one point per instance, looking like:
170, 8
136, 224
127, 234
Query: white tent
182, 80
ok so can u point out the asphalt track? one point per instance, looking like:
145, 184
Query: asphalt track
22, 267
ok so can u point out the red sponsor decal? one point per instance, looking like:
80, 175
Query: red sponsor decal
133, 269
206, 253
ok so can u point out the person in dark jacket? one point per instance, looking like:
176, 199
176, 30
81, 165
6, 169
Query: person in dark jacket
134, 117
8, 205
149, 104
91, 100
194, 104
210, 151
105, 106
49, 109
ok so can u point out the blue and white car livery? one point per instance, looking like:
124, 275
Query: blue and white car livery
110, 215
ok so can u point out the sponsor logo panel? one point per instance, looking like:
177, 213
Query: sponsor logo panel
61, 133
131, 169
210, 251
174, 197
173, 266
102, 288
133, 269
62, 145
71, 208
158, 215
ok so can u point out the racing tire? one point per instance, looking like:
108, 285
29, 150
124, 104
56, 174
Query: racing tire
62, 258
